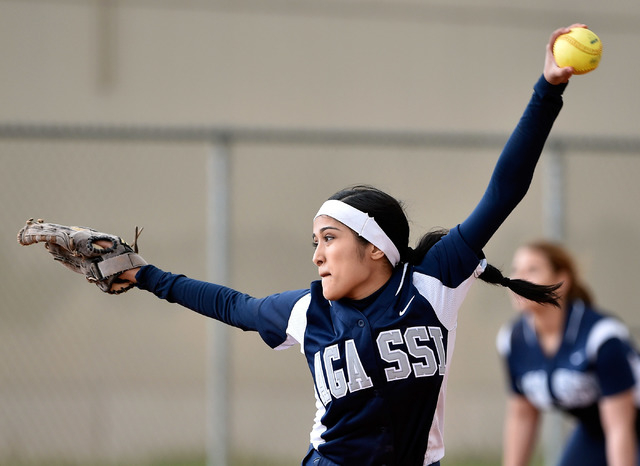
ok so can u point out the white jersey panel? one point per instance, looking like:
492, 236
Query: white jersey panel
435, 447
445, 301
297, 324
602, 331
319, 428
503, 340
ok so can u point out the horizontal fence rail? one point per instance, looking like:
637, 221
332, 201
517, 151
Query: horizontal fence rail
343, 136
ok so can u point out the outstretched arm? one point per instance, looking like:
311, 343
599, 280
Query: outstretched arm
219, 302
515, 167
269, 315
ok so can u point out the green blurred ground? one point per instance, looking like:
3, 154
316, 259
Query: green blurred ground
239, 460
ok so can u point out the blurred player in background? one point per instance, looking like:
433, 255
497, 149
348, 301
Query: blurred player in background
576, 359
378, 329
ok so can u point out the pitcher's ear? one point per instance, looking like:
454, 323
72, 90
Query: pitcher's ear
376, 253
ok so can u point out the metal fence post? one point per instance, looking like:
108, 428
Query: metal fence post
218, 167
554, 194
554, 213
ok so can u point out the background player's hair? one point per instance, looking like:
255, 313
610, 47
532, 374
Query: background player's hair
561, 261
390, 215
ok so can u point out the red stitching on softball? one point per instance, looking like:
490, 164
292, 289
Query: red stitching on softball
582, 47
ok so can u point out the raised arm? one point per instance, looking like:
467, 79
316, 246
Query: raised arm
515, 167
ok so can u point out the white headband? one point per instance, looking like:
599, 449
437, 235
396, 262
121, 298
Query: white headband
363, 225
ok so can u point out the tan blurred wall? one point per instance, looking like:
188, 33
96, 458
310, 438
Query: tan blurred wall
89, 375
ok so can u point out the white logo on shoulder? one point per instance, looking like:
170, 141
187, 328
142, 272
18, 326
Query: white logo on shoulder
407, 306
576, 358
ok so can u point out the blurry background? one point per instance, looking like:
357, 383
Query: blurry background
117, 113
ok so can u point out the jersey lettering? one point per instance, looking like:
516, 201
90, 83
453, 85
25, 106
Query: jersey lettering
338, 386
358, 378
402, 367
323, 391
337, 381
438, 340
394, 348
413, 337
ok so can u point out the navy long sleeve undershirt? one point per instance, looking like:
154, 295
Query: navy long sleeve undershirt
215, 301
508, 184
514, 170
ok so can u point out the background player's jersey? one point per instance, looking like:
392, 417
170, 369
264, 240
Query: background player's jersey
596, 358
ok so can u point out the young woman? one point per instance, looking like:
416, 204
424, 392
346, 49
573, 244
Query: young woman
575, 359
378, 328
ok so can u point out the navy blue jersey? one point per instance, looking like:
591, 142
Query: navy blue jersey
380, 372
596, 358
379, 366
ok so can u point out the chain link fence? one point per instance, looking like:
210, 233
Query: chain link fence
88, 378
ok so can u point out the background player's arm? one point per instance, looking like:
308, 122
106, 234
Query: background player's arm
520, 431
618, 414
617, 407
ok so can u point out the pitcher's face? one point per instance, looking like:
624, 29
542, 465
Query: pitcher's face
341, 259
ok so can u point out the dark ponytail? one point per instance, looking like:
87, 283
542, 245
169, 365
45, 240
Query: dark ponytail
541, 294
415, 256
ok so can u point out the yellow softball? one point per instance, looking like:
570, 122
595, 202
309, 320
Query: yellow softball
580, 48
